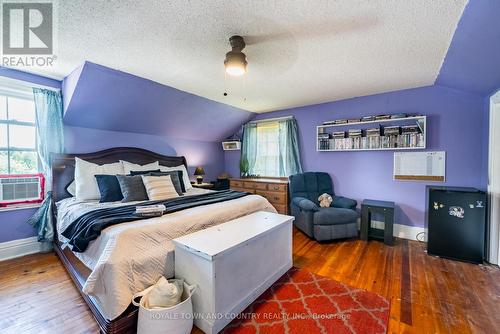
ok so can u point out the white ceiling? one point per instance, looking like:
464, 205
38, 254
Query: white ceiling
298, 52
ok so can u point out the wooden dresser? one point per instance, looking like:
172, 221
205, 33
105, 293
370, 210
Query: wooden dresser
274, 190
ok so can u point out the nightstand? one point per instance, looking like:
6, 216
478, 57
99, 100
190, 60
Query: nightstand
203, 185
383, 208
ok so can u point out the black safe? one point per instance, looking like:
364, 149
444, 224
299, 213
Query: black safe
456, 221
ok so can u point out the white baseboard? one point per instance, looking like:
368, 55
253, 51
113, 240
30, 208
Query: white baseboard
403, 231
410, 232
21, 247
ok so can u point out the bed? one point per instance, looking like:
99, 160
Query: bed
84, 269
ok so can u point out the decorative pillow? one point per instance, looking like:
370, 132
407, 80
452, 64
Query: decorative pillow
132, 188
109, 188
143, 172
86, 183
128, 166
176, 177
159, 187
185, 175
71, 188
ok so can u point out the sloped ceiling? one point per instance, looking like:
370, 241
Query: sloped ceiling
103, 98
299, 52
473, 60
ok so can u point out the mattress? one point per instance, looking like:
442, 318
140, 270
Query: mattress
129, 257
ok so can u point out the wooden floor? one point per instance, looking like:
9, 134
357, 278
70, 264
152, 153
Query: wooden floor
427, 294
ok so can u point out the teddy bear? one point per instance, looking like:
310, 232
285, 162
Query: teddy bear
325, 200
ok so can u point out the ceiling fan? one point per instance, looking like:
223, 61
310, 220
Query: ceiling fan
235, 62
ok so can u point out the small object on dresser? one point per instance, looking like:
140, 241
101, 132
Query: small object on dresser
380, 117
353, 120
199, 172
150, 210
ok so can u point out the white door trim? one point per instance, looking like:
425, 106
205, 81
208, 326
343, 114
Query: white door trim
494, 180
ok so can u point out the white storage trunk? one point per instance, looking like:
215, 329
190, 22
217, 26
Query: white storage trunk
232, 264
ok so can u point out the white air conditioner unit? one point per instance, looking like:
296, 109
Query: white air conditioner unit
231, 145
21, 189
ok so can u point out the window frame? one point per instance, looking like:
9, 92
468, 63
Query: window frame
8, 122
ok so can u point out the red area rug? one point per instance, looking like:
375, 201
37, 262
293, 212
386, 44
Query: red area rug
302, 302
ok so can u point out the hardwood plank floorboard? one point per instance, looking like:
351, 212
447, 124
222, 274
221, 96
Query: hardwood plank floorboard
427, 294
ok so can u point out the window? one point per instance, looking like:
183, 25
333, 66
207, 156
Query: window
267, 162
18, 153
270, 148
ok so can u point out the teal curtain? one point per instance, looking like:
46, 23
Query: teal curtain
43, 220
248, 149
49, 120
289, 155
50, 137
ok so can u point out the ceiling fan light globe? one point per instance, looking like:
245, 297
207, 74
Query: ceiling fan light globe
235, 70
235, 63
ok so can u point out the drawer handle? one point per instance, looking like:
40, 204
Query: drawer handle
276, 188
276, 198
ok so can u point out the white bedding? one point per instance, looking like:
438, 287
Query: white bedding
129, 257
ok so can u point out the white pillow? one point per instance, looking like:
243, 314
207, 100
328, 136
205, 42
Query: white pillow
128, 166
71, 188
159, 187
185, 175
86, 184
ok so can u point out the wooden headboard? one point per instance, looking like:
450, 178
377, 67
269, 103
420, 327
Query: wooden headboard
63, 165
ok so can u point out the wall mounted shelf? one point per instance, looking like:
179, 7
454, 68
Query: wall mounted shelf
327, 142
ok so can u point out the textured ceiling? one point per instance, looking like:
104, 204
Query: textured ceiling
299, 52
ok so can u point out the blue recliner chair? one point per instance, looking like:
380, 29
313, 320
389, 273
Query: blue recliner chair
337, 221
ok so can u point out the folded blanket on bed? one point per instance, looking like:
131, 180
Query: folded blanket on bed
89, 226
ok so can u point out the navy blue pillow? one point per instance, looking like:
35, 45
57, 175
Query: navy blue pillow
143, 172
109, 187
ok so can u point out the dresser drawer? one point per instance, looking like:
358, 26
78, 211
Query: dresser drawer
237, 184
273, 197
276, 187
245, 190
255, 185
261, 186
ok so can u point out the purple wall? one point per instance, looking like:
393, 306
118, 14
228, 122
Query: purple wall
28, 77
455, 125
69, 85
472, 61
99, 97
14, 225
198, 153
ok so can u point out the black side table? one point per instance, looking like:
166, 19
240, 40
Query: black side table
203, 185
383, 208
